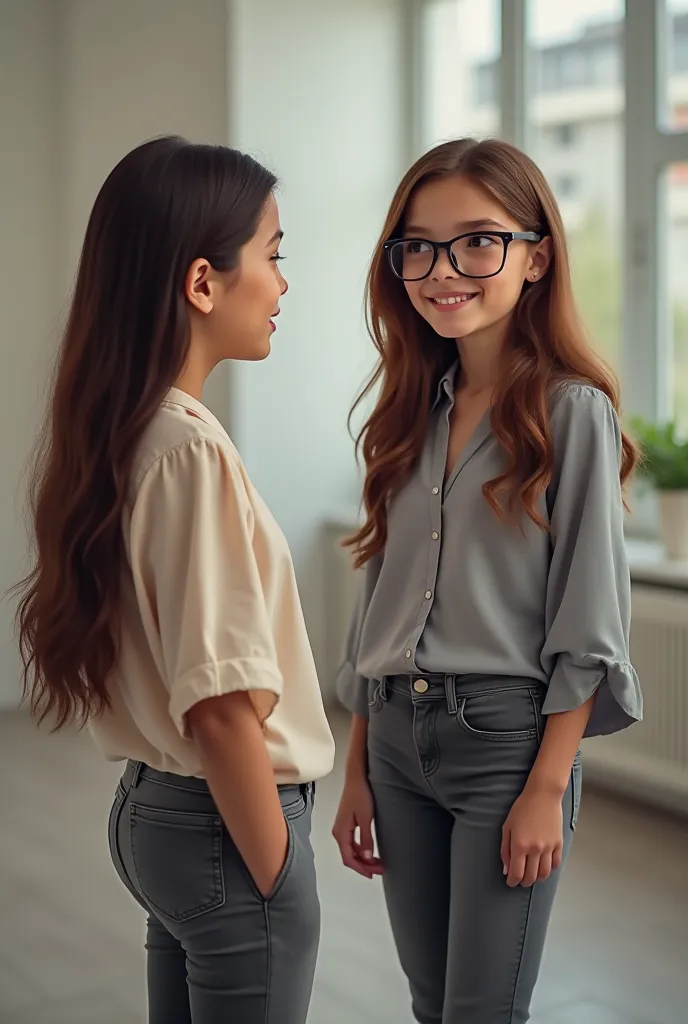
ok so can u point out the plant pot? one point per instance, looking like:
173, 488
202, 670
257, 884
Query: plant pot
673, 517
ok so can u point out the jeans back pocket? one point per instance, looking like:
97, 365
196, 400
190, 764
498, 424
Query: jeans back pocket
177, 857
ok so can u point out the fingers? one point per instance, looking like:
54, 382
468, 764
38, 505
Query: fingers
369, 861
526, 867
544, 867
517, 867
505, 852
365, 848
358, 856
349, 854
365, 842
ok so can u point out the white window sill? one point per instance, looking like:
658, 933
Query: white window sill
650, 565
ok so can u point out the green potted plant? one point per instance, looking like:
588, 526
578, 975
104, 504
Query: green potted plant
664, 465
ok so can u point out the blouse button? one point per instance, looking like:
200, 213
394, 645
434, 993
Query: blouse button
435, 535
435, 490
428, 595
408, 654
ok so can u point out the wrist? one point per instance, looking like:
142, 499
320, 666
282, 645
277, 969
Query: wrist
356, 769
546, 784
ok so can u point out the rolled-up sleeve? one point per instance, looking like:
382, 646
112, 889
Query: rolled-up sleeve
588, 604
352, 687
198, 583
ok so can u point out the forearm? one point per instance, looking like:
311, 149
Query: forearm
357, 754
562, 737
241, 779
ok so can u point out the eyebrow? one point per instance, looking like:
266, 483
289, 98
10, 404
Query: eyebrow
469, 225
277, 237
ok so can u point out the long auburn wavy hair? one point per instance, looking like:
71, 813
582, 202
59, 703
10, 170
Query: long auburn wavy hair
547, 347
166, 204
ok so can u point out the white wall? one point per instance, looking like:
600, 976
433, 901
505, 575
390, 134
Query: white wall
317, 94
29, 291
313, 89
135, 69
81, 83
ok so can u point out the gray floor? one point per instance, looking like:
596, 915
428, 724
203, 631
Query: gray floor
71, 938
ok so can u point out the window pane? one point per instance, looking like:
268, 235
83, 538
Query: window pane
575, 114
462, 42
677, 64
677, 262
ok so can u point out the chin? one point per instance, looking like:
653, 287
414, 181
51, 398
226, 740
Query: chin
260, 352
460, 328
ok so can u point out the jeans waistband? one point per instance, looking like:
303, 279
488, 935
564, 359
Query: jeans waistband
451, 687
137, 770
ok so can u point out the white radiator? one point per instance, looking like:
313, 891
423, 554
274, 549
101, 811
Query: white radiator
649, 760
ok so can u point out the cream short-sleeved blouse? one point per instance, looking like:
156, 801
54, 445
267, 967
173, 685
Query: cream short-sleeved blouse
209, 606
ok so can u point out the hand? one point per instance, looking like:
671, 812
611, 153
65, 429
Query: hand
266, 873
356, 811
532, 838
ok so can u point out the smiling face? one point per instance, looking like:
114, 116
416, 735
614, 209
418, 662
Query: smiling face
455, 305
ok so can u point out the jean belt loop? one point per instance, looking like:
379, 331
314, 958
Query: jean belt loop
136, 769
450, 693
383, 688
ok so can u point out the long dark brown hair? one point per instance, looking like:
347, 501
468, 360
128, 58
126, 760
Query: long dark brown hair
167, 203
547, 347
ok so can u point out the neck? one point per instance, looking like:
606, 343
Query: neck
481, 359
194, 375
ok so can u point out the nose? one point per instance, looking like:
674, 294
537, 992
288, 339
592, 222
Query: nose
443, 267
284, 284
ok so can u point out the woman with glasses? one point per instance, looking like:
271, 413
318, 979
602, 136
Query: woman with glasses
491, 633
162, 608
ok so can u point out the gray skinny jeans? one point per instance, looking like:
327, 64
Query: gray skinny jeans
448, 756
218, 951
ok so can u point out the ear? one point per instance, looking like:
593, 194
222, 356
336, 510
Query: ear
198, 286
540, 259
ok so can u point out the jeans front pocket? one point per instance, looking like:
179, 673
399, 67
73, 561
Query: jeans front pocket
375, 698
177, 857
508, 715
576, 789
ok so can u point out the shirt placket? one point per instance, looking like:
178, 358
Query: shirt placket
434, 533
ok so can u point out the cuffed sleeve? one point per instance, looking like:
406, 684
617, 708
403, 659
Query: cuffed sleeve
588, 603
352, 688
196, 575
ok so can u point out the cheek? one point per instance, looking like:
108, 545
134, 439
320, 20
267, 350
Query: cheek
502, 292
413, 292
259, 294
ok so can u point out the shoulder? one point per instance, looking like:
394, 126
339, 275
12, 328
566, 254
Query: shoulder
575, 401
181, 447
584, 422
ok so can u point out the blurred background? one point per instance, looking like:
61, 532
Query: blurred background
338, 98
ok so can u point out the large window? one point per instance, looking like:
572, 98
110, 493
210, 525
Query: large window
575, 133
550, 77
461, 46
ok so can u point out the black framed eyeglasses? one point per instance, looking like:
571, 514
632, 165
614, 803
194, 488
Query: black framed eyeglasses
473, 254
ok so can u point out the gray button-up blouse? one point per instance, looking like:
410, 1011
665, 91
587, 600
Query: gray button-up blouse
457, 590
